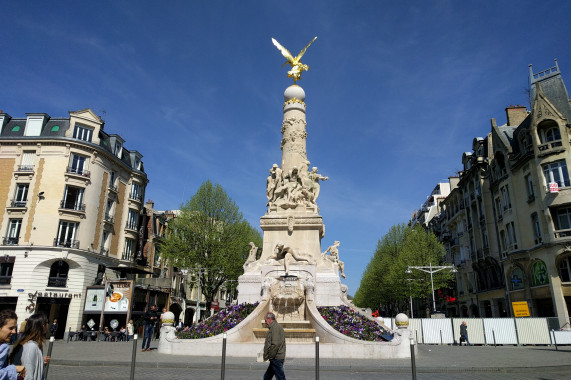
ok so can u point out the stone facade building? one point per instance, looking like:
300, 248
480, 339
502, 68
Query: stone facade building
72, 196
507, 223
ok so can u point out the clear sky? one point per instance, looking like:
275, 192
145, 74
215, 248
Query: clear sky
396, 92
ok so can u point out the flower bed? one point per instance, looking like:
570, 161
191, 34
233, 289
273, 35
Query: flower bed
354, 325
219, 322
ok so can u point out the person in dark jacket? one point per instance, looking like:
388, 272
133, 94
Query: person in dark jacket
53, 328
274, 349
151, 319
464, 333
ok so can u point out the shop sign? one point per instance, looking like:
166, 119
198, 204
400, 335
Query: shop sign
94, 299
118, 296
33, 297
520, 309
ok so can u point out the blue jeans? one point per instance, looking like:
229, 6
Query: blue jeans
464, 337
149, 329
276, 367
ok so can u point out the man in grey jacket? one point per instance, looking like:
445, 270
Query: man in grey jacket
274, 349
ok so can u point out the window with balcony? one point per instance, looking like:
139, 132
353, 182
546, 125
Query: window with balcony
112, 180
67, 235
549, 133
82, 133
562, 220
58, 274
27, 163
21, 195
73, 199
109, 211
529, 187
78, 165
499, 208
506, 197
510, 227
6, 269
13, 233
105, 243
536, 228
503, 240
136, 192
556, 172
565, 269
129, 249
132, 220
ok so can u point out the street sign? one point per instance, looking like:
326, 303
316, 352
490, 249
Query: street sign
520, 309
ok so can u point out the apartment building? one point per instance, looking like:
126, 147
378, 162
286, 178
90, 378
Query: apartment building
507, 224
72, 197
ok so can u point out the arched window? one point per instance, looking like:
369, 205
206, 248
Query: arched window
516, 279
548, 132
58, 274
539, 275
565, 269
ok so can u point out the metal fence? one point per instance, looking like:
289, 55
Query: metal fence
490, 331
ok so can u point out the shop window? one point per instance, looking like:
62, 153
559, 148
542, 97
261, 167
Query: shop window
565, 269
6, 268
539, 274
58, 274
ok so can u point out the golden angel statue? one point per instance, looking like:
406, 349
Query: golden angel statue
296, 66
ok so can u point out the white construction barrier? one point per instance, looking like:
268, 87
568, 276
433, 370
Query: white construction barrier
437, 331
532, 331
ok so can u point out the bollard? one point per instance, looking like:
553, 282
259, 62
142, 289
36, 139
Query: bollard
554, 340
134, 357
223, 368
441, 341
494, 336
416, 335
316, 358
47, 368
412, 359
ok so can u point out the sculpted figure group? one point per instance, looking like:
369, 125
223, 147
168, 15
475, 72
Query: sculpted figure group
294, 187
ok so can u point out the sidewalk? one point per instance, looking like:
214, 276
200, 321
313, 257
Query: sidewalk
430, 358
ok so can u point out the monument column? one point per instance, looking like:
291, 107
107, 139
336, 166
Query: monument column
294, 140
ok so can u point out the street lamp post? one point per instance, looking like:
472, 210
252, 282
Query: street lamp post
432, 269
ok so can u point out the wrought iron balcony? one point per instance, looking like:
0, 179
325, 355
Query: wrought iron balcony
10, 240
17, 204
57, 282
113, 188
72, 205
136, 197
108, 218
66, 243
131, 226
562, 233
25, 168
78, 171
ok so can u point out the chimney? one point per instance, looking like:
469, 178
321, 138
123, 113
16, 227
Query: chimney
515, 115
150, 204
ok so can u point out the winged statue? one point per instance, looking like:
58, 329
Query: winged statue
296, 66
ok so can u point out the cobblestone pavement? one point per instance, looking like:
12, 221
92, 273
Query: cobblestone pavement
106, 360
122, 373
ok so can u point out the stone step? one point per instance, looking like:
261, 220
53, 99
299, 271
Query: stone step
291, 324
286, 330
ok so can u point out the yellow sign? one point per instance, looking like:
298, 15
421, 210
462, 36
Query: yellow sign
520, 309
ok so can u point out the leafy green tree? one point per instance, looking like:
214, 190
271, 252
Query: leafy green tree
385, 283
210, 236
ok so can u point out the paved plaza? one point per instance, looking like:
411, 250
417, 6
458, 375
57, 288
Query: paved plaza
97, 360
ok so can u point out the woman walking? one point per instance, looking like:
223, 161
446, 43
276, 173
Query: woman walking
8, 323
28, 349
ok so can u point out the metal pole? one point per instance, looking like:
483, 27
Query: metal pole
134, 357
441, 341
494, 336
223, 369
316, 358
554, 340
50, 355
412, 359
198, 299
432, 285
411, 311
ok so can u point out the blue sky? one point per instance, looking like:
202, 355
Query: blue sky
396, 91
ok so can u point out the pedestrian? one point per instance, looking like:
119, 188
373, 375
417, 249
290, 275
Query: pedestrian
130, 330
22, 327
53, 328
8, 323
464, 333
274, 349
28, 350
151, 319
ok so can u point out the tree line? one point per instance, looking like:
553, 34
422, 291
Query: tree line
386, 286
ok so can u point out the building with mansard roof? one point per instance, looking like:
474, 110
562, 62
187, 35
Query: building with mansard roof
72, 198
507, 226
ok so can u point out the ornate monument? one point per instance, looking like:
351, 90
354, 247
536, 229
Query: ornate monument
292, 276
292, 226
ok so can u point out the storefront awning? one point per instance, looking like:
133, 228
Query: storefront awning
131, 270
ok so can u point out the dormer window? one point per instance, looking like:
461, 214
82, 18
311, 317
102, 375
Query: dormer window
117, 149
82, 133
34, 126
